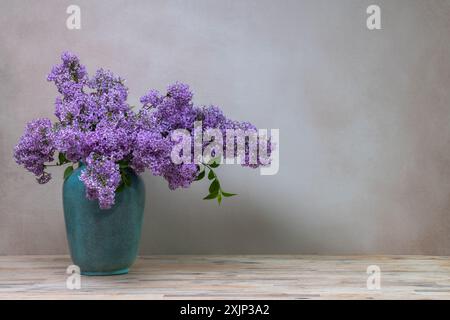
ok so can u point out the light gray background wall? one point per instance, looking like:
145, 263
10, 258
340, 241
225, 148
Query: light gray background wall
363, 116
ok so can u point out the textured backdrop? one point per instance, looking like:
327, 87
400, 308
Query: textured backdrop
364, 119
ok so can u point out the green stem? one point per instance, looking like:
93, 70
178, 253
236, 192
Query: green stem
53, 165
209, 167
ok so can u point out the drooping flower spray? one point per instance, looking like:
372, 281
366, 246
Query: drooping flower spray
97, 127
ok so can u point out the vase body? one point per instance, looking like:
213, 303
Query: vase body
103, 241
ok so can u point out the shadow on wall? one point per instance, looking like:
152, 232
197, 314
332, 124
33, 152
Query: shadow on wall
241, 225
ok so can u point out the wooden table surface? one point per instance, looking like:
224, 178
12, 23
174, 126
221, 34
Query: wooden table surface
233, 277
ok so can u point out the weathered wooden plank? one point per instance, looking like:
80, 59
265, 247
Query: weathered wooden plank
233, 277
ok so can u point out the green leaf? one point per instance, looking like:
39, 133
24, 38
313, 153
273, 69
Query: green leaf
200, 176
68, 172
120, 187
123, 164
214, 187
215, 164
62, 158
126, 179
226, 194
211, 175
211, 196
215, 160
219, 198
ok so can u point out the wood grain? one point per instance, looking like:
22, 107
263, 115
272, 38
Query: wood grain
233, 277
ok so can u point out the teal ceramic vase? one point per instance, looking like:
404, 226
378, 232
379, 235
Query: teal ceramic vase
103, 242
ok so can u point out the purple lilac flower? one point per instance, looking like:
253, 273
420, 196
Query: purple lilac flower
99, 121
35, 147
175, 110
113, 141
70, 76
152, 98
101, 179
110, 92
72, 142
98, 127
95, 119
180, 92
180, 175
151, 151
159, 116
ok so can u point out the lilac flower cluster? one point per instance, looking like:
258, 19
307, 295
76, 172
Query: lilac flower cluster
160, 116
163, 114
35, 148
97, 127
101, 179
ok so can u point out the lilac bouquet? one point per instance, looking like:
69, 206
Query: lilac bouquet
97, 127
